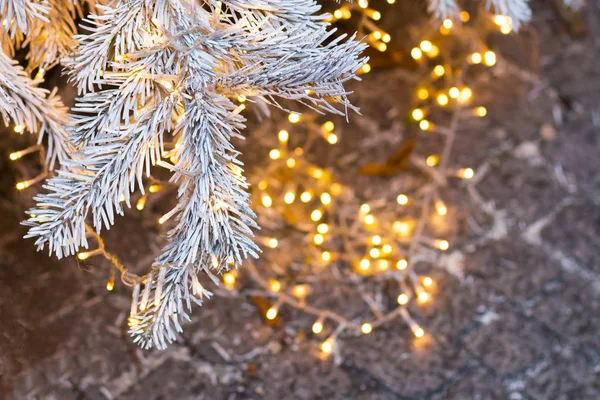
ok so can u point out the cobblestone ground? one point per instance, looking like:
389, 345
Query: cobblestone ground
518, 318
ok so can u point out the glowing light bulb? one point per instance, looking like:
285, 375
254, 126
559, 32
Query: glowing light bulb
110, 285
423, 297
402, 299
402, 199
454, 92
291, 162
441, 208
326, 256
402, 264
442, 99
423, 94
443, 245
365, 208
327, 346
466, 173
465, 95
489, 58
427, 281
365, 69
323, 228
294, 118
332, 138
366, 328
426, 46
425, 125
447, 23
432, 160
318, 239
275, 154
83, 256
476, 58
305, 197
375, 253
229, 280
387, 249
316, 215
465, 16
283, 136
273, 243
272, 313
274, 285
439, 70
369, 219
418, 332
383, 265
416, 53
317, 327
267, 201
289, 197
376, 240
402, 228
364, 264
19, 128
418, 114
328, 126
326, 198
481, 112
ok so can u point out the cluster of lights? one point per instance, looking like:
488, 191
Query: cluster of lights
376, 37
383, 245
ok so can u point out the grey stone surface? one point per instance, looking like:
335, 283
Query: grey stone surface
516, 314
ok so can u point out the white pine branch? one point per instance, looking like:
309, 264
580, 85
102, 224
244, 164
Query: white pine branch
39, 111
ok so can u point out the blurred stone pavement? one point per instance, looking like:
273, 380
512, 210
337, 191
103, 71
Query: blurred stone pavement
518, 318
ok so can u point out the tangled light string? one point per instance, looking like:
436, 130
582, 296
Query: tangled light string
346, 241
363, 244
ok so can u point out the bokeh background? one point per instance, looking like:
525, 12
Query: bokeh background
515, 313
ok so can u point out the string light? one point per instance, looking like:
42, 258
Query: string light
272, 313
316, 215
327, 346
489, 58
366, 328
416, 53
289, 197
305, 197
283, 136
442, 99
402, 299
466, 173
402, 264
365, 264
275, 154
323, 228
274, 285
229, 280
402, 199
418, 114
267, 201
294, 118
432, 160
317, 327
318, 239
